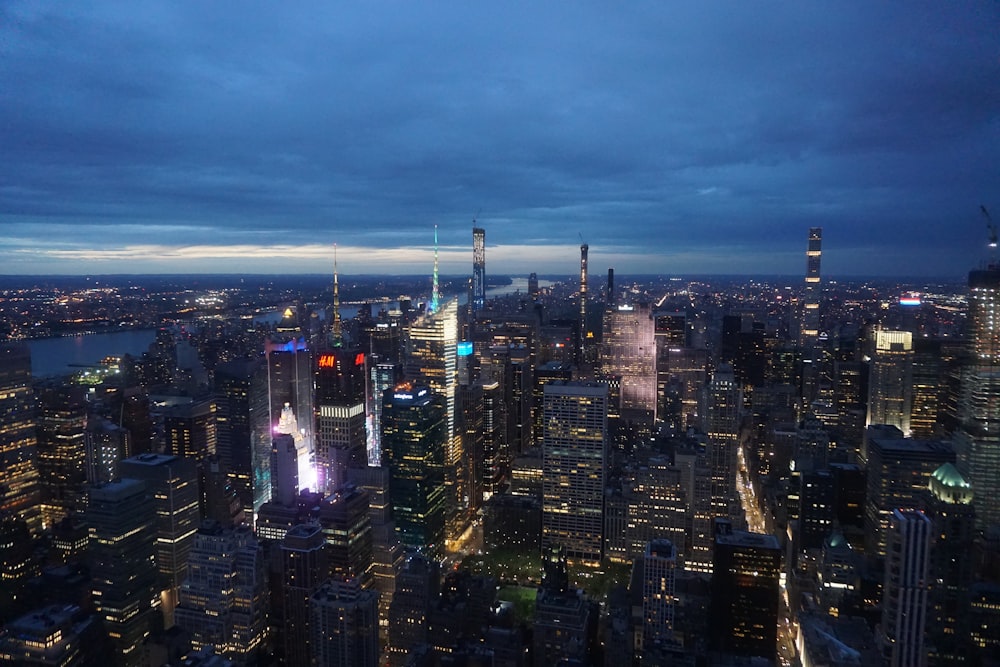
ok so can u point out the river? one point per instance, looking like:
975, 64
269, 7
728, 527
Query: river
58, 356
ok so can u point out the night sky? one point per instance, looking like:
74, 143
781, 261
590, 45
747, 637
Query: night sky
678, 138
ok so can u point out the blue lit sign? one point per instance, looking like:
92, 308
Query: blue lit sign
464, 348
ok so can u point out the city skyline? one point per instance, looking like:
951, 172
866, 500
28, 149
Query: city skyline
182, 138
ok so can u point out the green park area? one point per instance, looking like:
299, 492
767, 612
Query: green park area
518, 569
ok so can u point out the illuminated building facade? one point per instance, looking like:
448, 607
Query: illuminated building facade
290, 400
722, 420
574, 463
62, 423
629, 350
978, 435
223, 600
19, 483
383, 376
478, 269
173, 482
890, 384
432, 361
122, 519
415, 430
810, 317
243, 432
341, 419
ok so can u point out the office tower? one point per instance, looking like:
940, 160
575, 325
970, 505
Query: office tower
243, 431
722, 421
837, 575
851, 397
432, 360
612, 298
533, 286
383, 376
190, 429
62, 423
494, 464
19, 485
696, 484
817, 510
658, 602
341, 419
173, 481
582, 344
984, 618
890, 385
545, 373
629, 350
122, 519
223, 600
574, 463
346, 522
303, 570
478, 269
904, 596
290, 400
685, 376
219, 499
657, 507
472, 422
927, 381
899, 471
953, 519
978, 435
809, 339
105, 444
743, 616
387, 552
415, 429
344, 619
416, 590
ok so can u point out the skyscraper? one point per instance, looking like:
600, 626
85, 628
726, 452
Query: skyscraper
243, 430
19, 486
743, 615
978, 436
290, 400
432, 360
722, 419
62, 422
223, 600
582, 339
890, 384
414, 432
904, 597
478, 269
341, 435
173, 481
658, 601
574, 464
344, 625
810, 316
629, 350
303, 570
122, 518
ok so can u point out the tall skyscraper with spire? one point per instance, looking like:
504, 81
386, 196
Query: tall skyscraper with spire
978, 436
336, 332
478, 268
582, 342
809, 337
435, 289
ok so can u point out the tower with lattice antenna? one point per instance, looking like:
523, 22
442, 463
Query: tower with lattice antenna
336, 332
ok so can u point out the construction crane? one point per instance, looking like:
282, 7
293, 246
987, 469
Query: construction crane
990, 226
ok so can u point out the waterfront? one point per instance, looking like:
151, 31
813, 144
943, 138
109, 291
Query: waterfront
65, 354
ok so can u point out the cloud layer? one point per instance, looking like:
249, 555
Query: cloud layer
240, 137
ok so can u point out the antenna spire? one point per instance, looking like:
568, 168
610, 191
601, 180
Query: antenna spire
336, 331
435, 291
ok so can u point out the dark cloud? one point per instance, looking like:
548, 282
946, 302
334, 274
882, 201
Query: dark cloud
671, 132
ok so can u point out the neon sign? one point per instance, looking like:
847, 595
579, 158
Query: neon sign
327, 361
